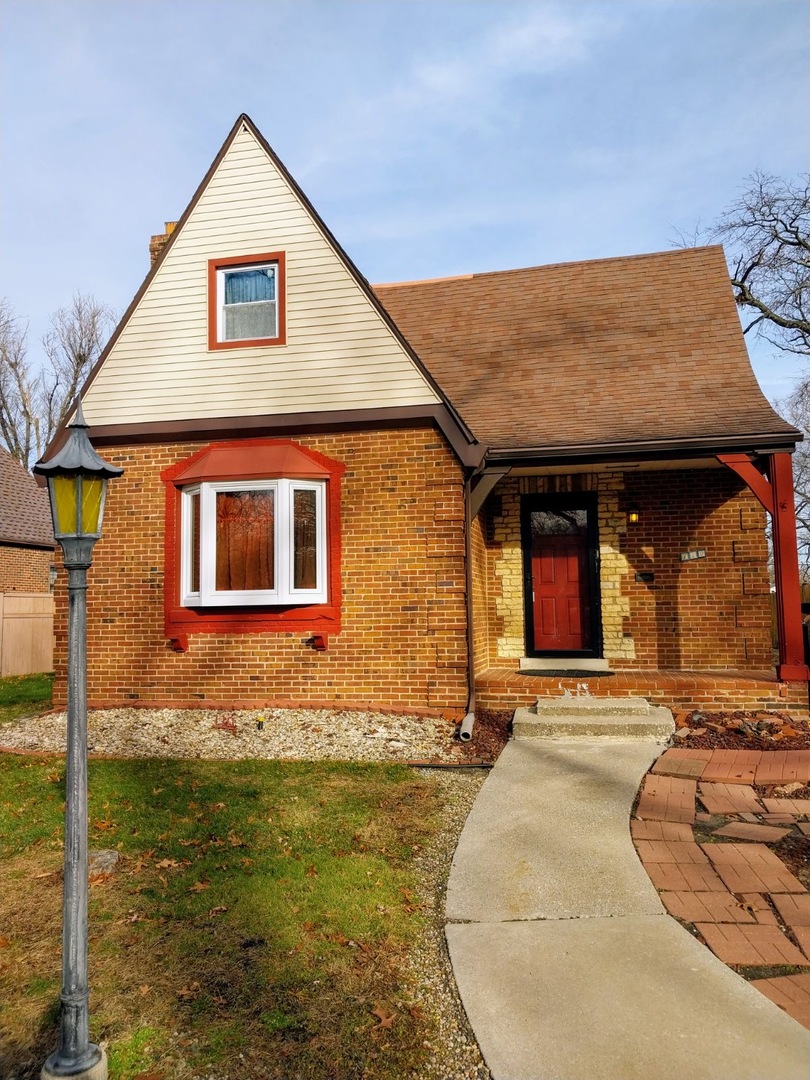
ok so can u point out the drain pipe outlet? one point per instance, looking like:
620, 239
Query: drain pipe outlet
465, 732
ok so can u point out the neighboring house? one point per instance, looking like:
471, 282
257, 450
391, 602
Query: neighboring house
318, 475
26, 561
26, 533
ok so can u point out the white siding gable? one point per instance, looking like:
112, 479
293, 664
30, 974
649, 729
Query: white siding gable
339, 352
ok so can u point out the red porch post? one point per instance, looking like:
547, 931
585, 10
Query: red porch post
775, 493
792, 664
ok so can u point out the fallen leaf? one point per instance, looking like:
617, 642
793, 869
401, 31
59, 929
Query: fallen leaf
199, 886
188, 993
166, 864
99, 879
216, 911
144, 989
312, 871
157, 790
386, 1018
4, 942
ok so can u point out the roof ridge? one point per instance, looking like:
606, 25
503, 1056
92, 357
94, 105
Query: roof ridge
548, 266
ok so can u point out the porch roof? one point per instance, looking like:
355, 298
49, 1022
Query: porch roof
638, 352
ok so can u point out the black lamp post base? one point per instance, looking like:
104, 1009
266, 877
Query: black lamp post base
92, 1066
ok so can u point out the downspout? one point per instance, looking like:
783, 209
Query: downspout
465, 731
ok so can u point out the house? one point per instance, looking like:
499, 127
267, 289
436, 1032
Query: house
26, 562
432, 495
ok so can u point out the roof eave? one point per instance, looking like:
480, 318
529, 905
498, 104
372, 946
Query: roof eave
653, 449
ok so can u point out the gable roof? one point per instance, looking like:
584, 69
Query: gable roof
25, 515
621, 353
342, 351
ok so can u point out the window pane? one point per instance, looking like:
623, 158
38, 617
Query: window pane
247, 321
559, 522
194, 542
249, 286
305, 539
245, 541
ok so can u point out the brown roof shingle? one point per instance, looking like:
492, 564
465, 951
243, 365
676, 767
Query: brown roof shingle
615, 351
25, 516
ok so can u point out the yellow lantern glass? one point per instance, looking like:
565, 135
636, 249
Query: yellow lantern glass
92, 501
77, 502
65, 494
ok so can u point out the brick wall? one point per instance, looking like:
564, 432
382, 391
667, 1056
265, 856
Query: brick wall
402, 642
24, 569
710, 613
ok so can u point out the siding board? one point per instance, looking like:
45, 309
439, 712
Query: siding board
339, 352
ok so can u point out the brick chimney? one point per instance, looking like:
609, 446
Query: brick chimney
158, 243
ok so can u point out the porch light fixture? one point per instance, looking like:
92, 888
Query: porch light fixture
77, 486
633, 515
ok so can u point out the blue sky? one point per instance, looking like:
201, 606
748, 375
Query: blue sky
434, 138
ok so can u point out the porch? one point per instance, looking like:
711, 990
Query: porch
504, 687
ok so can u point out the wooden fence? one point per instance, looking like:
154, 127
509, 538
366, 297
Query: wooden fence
26, 633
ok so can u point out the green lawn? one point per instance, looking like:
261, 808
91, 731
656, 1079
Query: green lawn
25, 695
259, 909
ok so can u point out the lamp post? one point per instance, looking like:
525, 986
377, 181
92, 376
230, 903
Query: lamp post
77, 485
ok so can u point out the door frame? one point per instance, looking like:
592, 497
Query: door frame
589, 502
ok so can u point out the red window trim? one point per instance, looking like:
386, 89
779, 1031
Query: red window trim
277, 257
303, 618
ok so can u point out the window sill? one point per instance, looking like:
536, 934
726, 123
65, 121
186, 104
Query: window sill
236, 620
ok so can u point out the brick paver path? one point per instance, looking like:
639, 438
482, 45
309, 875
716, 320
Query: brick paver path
794, 908
751, 868
667, 798
736, 766
745, 830
729, 799
789, 992
739, 896
749, 945
732, 766
799, 807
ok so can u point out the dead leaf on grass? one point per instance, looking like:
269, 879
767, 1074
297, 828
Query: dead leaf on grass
200, 886
99, 879
385, 1017
216, 911
188, 993
4, 942
144, 989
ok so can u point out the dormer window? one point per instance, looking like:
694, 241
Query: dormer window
246, 301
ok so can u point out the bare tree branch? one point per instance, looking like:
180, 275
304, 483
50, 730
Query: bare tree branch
766, 234
33, 401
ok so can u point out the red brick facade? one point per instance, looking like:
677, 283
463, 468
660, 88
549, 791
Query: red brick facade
712, 612
402, 639
25, 569
708, 613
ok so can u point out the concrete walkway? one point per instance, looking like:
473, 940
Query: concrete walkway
566, 962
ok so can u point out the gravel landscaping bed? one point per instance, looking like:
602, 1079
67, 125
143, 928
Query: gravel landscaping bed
272, 733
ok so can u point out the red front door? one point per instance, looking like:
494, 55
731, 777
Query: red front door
560, 592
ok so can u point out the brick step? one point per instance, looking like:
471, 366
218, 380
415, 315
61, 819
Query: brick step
578, 717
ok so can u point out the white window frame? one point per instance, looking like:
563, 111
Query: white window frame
221, 272
284, 592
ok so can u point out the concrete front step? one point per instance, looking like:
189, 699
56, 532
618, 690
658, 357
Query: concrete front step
562, 663
563, 718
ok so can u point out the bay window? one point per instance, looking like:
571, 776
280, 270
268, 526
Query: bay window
254, 542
